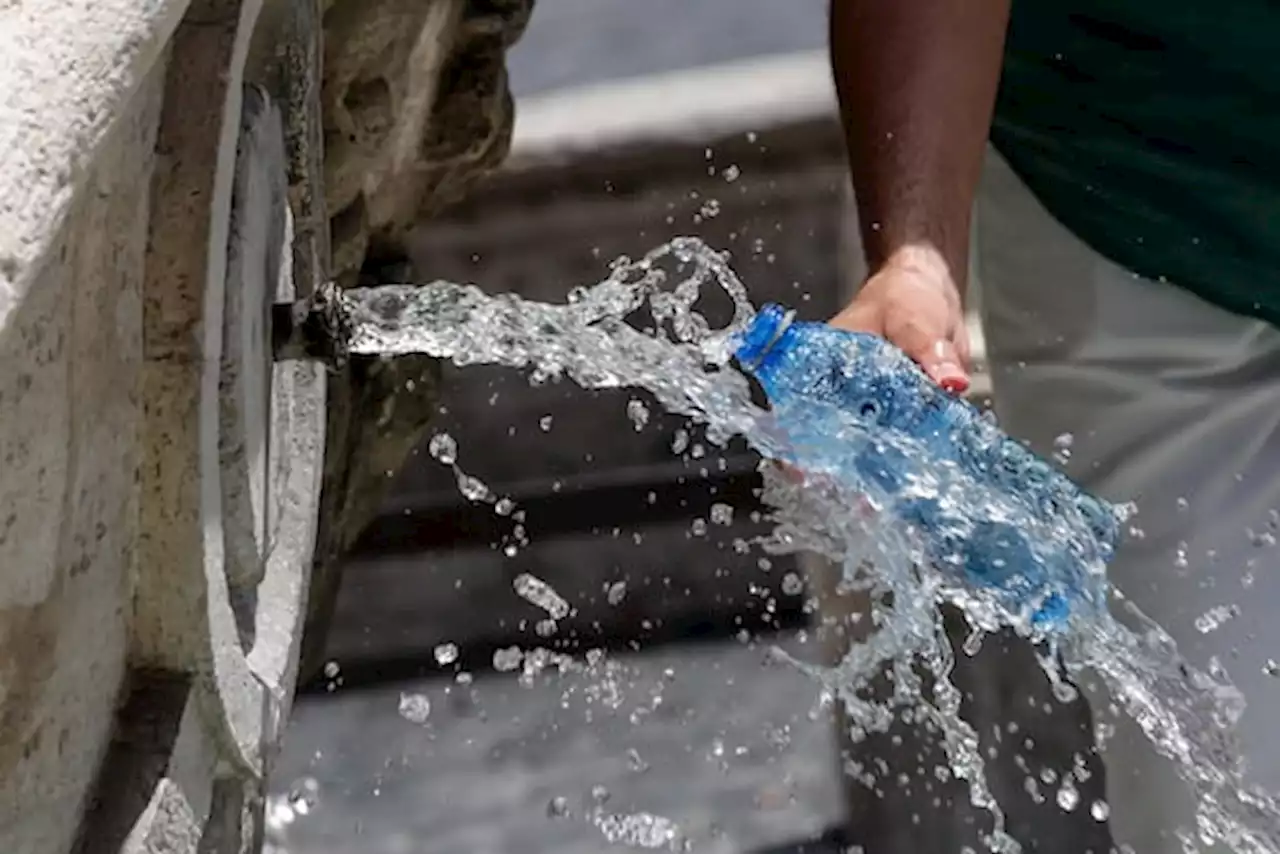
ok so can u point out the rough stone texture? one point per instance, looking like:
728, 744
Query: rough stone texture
136, 396
416, 109
77, 129
149, 649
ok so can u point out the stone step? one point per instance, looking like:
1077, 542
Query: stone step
732, 751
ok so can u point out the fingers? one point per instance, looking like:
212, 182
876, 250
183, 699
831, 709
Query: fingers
963, 352
921, 321
948, 371
934, 351
941, 361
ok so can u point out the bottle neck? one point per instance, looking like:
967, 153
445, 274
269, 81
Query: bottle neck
767, 327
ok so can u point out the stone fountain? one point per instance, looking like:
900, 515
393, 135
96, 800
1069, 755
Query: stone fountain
173, 497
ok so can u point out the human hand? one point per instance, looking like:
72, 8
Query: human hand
914, 302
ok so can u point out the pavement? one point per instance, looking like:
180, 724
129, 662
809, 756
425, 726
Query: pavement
714, 748
575, 42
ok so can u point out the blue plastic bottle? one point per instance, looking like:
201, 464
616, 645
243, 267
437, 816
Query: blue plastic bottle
913, 429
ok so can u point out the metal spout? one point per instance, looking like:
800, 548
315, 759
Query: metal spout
316, 328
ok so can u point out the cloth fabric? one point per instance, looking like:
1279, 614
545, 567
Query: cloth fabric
1149, 128
1171, 402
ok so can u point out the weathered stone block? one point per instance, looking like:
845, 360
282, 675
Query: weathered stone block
416, 109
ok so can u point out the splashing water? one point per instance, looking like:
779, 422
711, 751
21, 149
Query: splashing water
684, 363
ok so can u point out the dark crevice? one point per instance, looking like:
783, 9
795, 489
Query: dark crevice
146, 731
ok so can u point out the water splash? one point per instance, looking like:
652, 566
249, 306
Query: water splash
684, 363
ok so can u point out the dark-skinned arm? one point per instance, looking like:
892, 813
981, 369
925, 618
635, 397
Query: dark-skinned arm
916, 81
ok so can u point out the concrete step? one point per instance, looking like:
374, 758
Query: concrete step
731, 750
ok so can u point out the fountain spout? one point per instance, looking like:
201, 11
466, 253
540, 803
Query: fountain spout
316, 328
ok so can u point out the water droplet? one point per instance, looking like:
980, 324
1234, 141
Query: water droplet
472, 488
1068, 796
1100, 810
504, 506
635, 763
731, 173
721, 514
639, 830
443, 448
415, 708
600, 795
792, 584
679, 441
506, 660
558, 807
1215, 617
545, 423
616, 592
972, 643
638, 413
331, 669
538, 592
698, 527
303, 796
446, 653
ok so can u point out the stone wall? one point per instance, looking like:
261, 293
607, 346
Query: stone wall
168, 170
71, 260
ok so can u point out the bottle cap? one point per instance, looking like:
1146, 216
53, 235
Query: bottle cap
766, 328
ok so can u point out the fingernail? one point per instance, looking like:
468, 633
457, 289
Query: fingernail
951, 377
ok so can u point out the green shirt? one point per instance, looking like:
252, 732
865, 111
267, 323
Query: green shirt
1151, 129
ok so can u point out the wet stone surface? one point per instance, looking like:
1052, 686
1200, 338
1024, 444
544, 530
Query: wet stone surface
710, 748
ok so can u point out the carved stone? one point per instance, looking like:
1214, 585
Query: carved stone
163, 182
416, 109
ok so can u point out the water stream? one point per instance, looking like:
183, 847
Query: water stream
641, 327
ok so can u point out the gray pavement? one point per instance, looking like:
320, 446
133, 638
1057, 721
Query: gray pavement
709, 748
576, 42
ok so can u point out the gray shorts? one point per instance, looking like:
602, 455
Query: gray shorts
1170, 403
1174, 404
